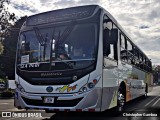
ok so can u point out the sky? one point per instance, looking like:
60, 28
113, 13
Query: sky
139, 18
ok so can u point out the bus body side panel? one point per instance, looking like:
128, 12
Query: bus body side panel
149, 82
137, 84
113, 77
110, 85
134, 79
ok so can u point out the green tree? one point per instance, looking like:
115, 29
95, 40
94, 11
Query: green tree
7, 59
5, 16
1, 48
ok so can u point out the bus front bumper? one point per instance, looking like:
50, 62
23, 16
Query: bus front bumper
88, 101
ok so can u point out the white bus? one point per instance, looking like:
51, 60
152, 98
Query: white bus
78, 59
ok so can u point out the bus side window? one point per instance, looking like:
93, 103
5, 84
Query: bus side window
109, 46
141, 60
130, 52
136, 57
123, 48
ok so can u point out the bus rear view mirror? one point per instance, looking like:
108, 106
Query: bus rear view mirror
106, 42
114, 36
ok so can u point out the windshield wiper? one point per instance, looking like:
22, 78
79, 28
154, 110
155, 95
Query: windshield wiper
64, 35
39, 35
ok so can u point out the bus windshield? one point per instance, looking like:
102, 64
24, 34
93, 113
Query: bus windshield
58, 48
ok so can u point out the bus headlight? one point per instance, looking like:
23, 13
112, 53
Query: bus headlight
88, 86
20, 88
83, 89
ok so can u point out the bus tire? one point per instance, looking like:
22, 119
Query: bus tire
120, 100
146, 91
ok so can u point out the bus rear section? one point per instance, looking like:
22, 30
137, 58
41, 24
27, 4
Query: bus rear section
59, 63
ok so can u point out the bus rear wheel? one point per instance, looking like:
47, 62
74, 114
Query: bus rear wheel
120, 100
146, 91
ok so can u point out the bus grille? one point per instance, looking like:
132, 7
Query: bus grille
57, 103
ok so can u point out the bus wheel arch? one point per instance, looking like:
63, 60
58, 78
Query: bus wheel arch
122, 87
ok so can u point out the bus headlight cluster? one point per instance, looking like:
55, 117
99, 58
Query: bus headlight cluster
88, 86
84, 89
20, 88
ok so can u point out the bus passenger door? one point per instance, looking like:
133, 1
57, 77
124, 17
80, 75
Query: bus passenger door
110, 65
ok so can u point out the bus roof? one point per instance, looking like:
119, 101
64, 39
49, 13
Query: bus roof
73, 13
61, 15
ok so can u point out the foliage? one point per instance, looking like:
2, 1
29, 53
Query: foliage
2, 80
1, 48
157, 68
7, 94
156, 72
5, 17
7, 59
5, 82
2, 74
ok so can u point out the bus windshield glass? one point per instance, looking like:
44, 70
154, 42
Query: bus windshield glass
58, 48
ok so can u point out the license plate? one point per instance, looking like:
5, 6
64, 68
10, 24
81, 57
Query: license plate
48, 100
